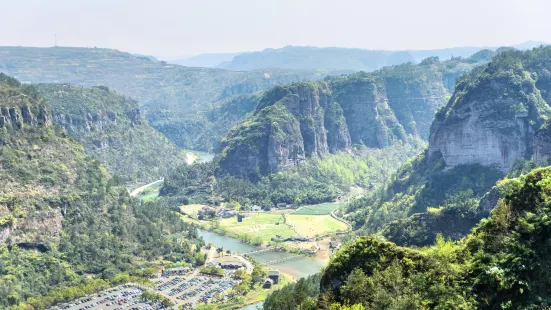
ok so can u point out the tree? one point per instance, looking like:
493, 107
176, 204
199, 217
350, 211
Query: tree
235, 205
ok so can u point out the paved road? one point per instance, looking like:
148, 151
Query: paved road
138, 190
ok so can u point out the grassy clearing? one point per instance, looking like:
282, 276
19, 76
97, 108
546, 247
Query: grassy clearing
262, 226
320, 209
191, 209
315, 225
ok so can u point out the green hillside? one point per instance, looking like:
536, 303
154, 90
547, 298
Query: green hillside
112, 130
66, 227
502, 264
506, 102
308, 119
168, 94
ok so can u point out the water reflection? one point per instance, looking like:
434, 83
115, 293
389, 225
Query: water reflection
295, 268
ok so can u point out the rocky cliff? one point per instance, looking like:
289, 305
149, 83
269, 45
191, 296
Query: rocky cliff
542, 144
289, 124
112, 129
22, 114
372, 109
496, 120
492, 117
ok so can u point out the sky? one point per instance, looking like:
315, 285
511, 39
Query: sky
172, 28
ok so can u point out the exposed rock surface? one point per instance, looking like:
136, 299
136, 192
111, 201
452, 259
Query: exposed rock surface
18, 116
372, 109
542, 144
491, 119
22, 115
288, 126
112, 129
331, 116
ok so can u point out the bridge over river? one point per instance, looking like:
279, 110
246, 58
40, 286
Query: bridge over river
295, 265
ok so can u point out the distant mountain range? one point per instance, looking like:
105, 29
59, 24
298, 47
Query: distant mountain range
209, 60
329, 58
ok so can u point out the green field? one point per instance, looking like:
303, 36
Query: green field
321, 209
261, 226
315, 225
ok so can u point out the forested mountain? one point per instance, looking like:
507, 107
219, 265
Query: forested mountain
112, 129
209, 60
311, 142
66, 227
376, 109
169, 95
493, 123
332, 58
502, 264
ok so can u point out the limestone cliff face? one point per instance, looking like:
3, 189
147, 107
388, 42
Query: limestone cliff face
415, 101
112, 129
491, 119
36, 229
373, 109
290, 124
369, 118
330, 117
542, 144
266, 143
21, 116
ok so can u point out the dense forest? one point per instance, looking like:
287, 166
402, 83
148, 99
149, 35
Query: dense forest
502, 264
66, 226
316, 180
170, 96
441, 189
303, 120
112, 130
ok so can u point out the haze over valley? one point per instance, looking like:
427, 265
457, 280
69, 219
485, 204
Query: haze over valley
310, 155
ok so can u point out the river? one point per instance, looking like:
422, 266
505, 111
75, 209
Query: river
297, 269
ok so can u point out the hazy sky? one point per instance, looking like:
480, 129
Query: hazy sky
185, 27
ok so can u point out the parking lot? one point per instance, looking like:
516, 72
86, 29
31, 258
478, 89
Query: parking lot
119, 298
187, 289
196, 289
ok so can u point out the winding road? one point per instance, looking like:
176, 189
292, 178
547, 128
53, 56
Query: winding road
138, 190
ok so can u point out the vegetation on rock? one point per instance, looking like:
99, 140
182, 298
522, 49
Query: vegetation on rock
63, 218
112, 130
500, 265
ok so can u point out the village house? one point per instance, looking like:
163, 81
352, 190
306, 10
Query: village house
268, 283
274, 275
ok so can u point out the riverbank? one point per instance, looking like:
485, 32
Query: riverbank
295, 269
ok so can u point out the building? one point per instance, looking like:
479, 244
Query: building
231, 265
225, 213
268, 283
283, 205
274, 276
